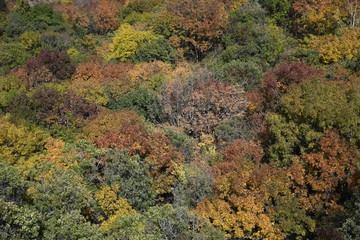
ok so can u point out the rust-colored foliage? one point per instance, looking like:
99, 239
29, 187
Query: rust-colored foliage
166, 163
107, 122
98, 16
130, 135
200, 106
203, 19
318, 178
92, 79
101, 72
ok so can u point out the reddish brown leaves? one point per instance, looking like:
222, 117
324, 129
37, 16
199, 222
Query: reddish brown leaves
200, 107
323, 172
203, 19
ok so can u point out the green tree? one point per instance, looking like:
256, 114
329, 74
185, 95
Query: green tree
13, 186
19, 222
71, 225
12, 55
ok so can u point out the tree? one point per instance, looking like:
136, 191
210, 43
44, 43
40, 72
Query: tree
324, 17
39, 18
279, 10
319, 175
70, 225
58, 63
278, 80
127, 41
97, 16
157, 50
18, 144
12, 55
10, 87
19, 222
144, 102
303, 103
246, 74
13, 186
249, 197
334, 48
250, 35
203, 20
132, 175
112, 206
200, 105
164, 222
101, 82
109, 121
61, 192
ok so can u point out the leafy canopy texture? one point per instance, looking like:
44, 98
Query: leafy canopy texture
127, 41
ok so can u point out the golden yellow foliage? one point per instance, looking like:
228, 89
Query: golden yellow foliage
127, 40
113, 206
333, 48
18, 144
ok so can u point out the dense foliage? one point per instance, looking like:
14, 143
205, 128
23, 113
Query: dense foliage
187, 119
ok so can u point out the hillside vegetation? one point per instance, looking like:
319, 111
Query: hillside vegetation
179, 119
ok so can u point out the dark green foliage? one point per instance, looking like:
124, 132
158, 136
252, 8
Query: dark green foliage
39, 18
279, 10
130, 173
142, 101
250, 34
196, 186
10, 87
71, 225
56, 41
159, 49
292, 219
63, 193
3, 6
246, 74
234, 128
137, 6
19, 222
163, 222
310, 56
12, 185
12, 55
182, 142
132, 176
351, 227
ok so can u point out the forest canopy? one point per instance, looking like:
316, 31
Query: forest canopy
187, 119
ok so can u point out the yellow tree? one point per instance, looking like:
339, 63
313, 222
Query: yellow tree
127, 40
